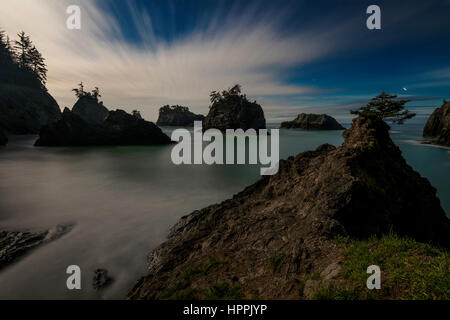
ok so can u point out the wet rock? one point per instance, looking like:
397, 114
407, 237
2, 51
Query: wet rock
119, 128
313, 122
15, 244
280, 229
3, 138
177, 116
101, 279
438, 125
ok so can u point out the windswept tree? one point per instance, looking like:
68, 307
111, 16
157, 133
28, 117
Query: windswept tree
37, 64
386, 107
234, 91
79, 92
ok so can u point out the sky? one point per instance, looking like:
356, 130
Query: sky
290, 56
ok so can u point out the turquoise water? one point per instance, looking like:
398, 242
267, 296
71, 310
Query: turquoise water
123, 200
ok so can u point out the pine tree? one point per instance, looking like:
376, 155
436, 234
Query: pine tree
23, 47
386, 107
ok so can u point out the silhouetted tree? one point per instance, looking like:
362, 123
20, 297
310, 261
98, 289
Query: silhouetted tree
386, 107
79, 92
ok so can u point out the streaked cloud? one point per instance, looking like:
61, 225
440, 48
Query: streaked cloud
147, 76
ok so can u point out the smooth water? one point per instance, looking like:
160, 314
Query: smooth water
123, 200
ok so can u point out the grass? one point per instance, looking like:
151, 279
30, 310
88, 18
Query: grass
410, 270
181, 289
274, 262
224, 291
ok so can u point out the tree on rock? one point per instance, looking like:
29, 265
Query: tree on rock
386, 107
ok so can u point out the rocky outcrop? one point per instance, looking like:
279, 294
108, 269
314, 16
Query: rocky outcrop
177, 116
234, 112
438, 125
15, 244
313, 122
90, 110
119, 128
25, 110
101, 279
280, 230
3, 138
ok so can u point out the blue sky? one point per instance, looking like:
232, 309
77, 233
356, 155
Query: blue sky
291, 56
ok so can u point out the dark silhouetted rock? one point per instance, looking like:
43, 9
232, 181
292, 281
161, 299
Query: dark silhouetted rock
15, 244
101, 279
233, 112
90, 110
25, 110
438, 125
313, 122
177, 116
3, 138
281, 229
119, 128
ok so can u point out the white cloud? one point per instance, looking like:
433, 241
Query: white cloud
154, 74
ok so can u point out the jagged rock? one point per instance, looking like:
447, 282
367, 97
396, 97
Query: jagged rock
101, 279
438, 125
3, 138
313, 122
90, 110
15, 244
235, 112
119, 128
177, 116
25, 110
359, 189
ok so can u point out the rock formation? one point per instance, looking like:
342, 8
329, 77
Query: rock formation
287, 222
90, 110
313, 122
234, 111
119, 128
3, 138
101, 279
15, 244
25, 110
438, 125
177, 116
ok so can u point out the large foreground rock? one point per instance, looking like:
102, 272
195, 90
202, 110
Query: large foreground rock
438, 125
235, 112
313, 122
90, 110
280, 229
25, 110
15, 244
177, 116
119, 128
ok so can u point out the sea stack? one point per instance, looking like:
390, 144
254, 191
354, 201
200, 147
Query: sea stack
306, 121
90, 109
177, 116
288, 222
119, 128
232, 110
438, 125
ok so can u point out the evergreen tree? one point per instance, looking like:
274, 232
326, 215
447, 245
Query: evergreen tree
386, 107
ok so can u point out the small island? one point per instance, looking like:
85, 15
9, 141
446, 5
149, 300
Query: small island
438, 126
306, 121
118, 129
232, 110
177, 116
